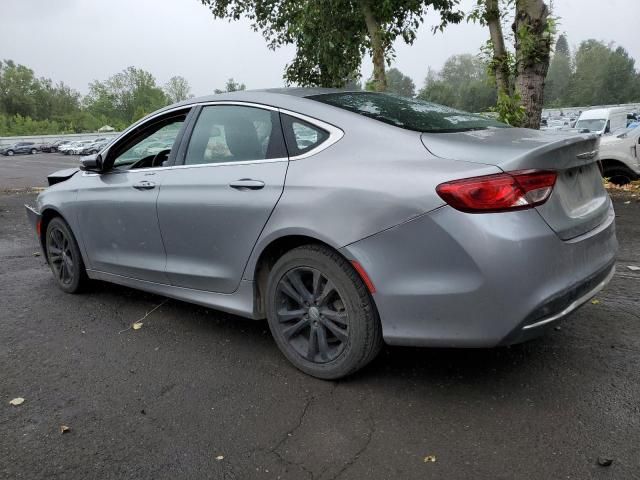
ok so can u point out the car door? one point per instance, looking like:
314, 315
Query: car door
117, 208
213, 206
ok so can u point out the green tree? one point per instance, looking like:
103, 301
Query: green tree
177, 89
519, 74
399, 83
559, 76
331, 36
19, 89
231, 86
462, 83
125, 96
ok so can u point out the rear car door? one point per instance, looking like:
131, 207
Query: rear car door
213, 206
117, 208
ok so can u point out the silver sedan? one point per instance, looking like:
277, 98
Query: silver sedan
346, 219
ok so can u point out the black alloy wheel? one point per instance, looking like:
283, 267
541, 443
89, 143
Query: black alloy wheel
311, 315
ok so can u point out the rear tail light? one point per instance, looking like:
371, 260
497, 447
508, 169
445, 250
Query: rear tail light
500, 192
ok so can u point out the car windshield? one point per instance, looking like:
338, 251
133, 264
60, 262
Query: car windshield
408, 113
593, 125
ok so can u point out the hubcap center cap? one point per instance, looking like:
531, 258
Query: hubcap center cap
314, 313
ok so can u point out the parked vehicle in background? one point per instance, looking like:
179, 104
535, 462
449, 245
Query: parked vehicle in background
53, 146
79, 147
94, 147
619, 156
20, 147
344, 218
602, 120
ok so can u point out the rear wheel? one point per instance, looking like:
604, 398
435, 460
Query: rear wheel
10, 152
321, 314
64, 257
33, 151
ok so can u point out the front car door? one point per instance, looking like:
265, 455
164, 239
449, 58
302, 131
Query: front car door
214, 205
117, 208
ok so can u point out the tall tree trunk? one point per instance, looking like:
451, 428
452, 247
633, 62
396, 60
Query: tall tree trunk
377, 47
533, 52
500, 63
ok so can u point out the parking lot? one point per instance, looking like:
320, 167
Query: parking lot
196, 393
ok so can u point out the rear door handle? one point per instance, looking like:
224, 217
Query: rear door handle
247, 184
144, 185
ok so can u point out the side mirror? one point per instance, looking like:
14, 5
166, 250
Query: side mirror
91, 163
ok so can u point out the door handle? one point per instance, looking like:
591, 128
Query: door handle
247, 184
144, 185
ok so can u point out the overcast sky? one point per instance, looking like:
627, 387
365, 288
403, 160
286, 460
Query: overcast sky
78, 41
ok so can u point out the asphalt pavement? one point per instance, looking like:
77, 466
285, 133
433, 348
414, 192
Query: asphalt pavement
196, 393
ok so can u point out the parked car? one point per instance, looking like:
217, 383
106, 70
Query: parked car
396, 220
94, 147
602, 120
79, 147
53, 146
619, 156
20, 147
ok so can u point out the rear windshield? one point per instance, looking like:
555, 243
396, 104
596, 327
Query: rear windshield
409, 113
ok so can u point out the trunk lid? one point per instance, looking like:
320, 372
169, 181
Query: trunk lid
579, 202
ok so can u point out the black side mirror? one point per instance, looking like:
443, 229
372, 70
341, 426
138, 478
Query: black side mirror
91, 163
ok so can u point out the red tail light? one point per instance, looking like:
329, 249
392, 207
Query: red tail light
498, 193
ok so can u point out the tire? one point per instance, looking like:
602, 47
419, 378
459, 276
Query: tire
338, 331
33, 151
619, 175
64, 258
10, 153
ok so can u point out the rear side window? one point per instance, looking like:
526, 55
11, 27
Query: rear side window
231, 133
301, 136
408, 113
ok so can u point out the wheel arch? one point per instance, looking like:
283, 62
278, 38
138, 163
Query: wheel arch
48, 214
269, 255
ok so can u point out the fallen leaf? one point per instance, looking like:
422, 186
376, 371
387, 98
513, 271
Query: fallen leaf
429, 459
64, 429
17, 401
633, 268
595, 301
137, 325
220, 457
604, 461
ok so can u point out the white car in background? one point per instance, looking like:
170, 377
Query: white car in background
619, 156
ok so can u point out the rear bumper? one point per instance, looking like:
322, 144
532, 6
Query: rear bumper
451, 279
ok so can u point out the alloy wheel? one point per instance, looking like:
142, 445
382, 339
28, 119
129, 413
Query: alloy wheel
311, 315
60, 255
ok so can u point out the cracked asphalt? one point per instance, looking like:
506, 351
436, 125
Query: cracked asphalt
196, 393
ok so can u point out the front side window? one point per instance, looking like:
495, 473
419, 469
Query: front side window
151, 146
408, 113
233, 133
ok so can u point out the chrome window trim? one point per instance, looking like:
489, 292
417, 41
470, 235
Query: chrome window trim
335, 133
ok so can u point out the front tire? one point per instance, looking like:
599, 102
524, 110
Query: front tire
33, 151
619, 175
320, 313
63, 255
10, 153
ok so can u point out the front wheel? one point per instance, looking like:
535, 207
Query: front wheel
10, 153
64, 257
619, 175
320, 313
33, 151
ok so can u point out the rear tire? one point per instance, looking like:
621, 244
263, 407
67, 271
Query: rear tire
33, 151
321, 314
63, 255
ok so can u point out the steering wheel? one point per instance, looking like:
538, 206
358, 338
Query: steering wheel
160, 157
